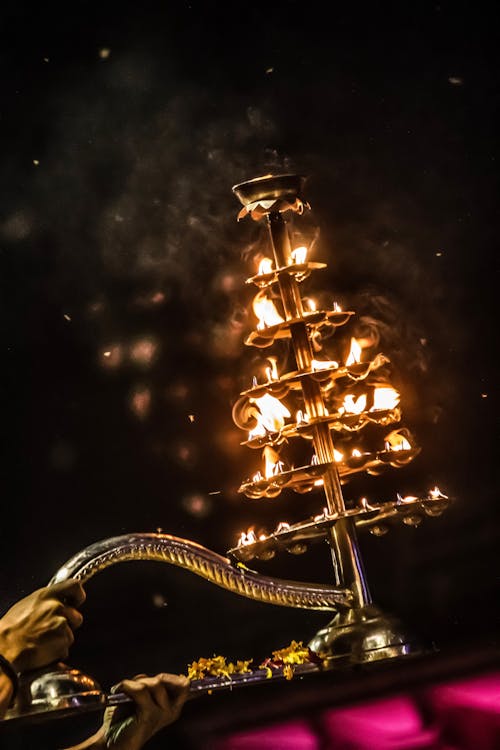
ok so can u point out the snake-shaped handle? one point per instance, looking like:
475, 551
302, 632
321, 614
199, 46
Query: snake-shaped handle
187, 554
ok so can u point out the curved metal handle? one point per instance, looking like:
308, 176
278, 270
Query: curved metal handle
205, 563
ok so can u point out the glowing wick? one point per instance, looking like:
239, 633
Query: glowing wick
299, 255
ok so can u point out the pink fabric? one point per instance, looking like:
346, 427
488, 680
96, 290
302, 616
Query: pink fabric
468, 711
292, 735
465, 715
387, 724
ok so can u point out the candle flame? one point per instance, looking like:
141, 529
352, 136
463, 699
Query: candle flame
273, 465
270, 416
406, 499
302, 417
282, 526
321, 516
299, 254
350, 406
265, 311
272, 370
265, 266
247, 537
396, 441
323, 364
385, 398
366, 505
436, 494
354, 353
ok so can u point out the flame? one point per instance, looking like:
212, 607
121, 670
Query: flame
365, 505
265, 311
321, 516
356, 453
282, 526
396, 441
270, 416
336, 307
323, 364
272, 370
299, 254
436, 494
311, 303
386, 398
273, 465
265, 266
350, 406
406, 499
337, 455
354, 353
247, 537
257, 477
302, 417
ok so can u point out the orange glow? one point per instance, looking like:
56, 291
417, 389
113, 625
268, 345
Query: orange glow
270, 417
356, 453
321, 516
350, 406
265, 311
366, 505
386, 398
273, 465
265, 266
406, 499
323, 364
436, 494
354, 353
337, 455
247, 537
299, 255
282, 526
272, 370
396, 441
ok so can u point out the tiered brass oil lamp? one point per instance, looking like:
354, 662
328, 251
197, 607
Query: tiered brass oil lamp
337, 400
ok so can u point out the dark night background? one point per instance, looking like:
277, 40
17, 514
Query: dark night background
124, 308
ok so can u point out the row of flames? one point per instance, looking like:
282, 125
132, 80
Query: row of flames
273, 465
252, 537
263, 307
271, 413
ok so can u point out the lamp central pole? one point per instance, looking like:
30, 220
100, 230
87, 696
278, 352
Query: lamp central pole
346, 557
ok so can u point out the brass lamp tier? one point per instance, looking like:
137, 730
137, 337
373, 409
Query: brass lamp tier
306, 478
376, 517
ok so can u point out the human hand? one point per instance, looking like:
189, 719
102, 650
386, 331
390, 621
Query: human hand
158, 702
38, 629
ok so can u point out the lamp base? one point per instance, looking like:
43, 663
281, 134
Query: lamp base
364, 635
